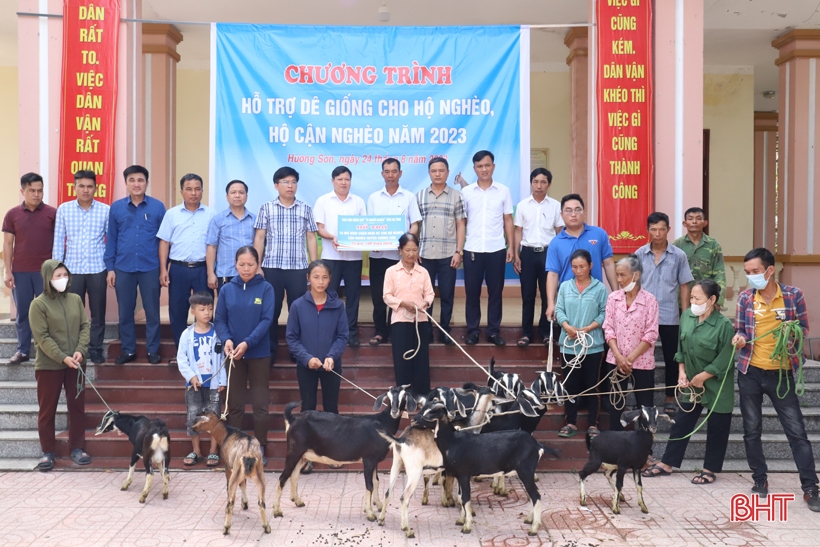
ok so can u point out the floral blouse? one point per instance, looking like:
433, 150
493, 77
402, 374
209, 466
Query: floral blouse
629, 327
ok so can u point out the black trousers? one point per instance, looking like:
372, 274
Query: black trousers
717, 437
415, 371
222, 281
250, 376
309, 382
440, 269
184, 282
479, 267
381, 314
93, 285
292, 282
642, 379
669, 343
351, 272
579, 380
534, 276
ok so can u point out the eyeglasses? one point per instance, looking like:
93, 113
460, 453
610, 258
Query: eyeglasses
577, 211
289, 182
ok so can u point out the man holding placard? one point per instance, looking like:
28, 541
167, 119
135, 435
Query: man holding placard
282, 228
344, 265
441, 231
391, 200
489, 220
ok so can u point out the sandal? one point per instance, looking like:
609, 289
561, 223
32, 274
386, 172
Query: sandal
376, 340
335, 466
191, 459
651, 471
567, 432
704, 478
46, 463
670, 409
593, 432
524, 341
79, 457
212, 460
546, 340
307, 469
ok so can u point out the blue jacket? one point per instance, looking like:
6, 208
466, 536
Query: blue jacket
186, 359
244, 313
312, 333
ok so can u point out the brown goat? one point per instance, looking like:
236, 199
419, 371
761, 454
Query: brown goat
242, 455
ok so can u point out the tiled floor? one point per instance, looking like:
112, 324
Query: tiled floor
88, 509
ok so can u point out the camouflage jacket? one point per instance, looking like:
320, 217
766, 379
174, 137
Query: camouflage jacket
705, 261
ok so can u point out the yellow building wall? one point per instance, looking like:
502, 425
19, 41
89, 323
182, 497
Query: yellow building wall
728, 112
193, 113
549, 125
9, 146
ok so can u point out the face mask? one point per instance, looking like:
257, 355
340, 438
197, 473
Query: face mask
699, 309
59, 284
758, 281
631, 285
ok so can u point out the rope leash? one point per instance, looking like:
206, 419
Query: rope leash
549, 354
354, 385
82, 377
579, 346
418, 338
224, 415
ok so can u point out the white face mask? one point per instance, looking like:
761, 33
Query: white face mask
758, 281
699, 309
59, 284
631, 285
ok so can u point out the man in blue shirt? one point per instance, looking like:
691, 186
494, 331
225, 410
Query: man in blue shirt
228, 231
79, 243
182, 240
576, 234
132, 260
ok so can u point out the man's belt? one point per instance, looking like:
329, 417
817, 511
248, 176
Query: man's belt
188, 264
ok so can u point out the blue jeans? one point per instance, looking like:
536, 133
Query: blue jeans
752, 386
27, 286
126, 289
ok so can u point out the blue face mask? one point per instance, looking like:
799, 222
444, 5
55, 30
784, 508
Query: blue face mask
758, 281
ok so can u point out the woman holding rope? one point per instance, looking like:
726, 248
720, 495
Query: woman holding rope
408, 292
244, 313
704, 355
580, 312
630, 331
317, 337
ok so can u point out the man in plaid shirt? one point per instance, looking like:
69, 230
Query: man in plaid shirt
79, 243
283, 226
764, 306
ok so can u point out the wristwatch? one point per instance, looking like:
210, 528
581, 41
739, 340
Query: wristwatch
461, 253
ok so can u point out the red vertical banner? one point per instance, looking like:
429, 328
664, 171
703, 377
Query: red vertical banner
625, 118
89, 94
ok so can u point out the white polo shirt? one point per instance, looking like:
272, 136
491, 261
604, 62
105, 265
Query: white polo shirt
538, 220
485, 217
327, 210
402, 202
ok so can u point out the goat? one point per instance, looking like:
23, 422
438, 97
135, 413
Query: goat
242, 455
333, 439
622, 450
504, 383
151, 441
418, 452
465, 455
549, 388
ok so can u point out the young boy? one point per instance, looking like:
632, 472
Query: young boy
703, 252
198, 358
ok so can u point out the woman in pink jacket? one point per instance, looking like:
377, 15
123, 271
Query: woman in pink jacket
630, 331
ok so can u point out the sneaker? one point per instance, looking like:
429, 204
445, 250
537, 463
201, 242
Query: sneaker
812, 499
154, 358
96, 357
125, 358
761, 487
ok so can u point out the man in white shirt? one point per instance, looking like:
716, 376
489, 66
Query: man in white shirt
393, 201
537, 220
344, 265
488, 205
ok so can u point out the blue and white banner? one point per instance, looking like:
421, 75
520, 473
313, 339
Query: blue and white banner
315, 98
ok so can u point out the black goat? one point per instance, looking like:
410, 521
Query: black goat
502, 383
151, 441
549, 388
466, 455
622, 450
334, 439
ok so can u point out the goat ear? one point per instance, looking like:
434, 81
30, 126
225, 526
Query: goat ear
379, 402
536, 387
461, 408
630, 416
411, 402
666, 416
526, 408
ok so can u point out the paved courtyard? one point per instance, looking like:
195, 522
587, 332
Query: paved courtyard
62, 509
